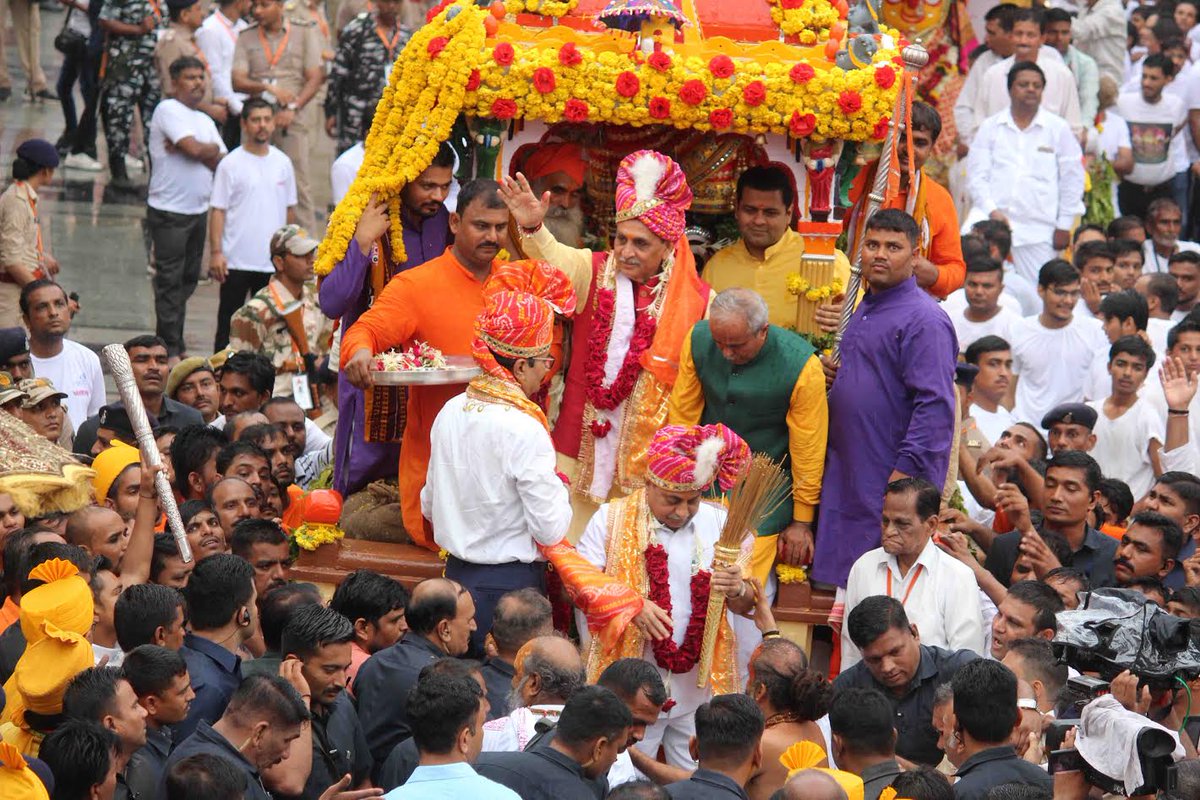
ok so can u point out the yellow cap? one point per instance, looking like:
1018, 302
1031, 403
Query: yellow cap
48, 665
64, 600
17, 780
110, 464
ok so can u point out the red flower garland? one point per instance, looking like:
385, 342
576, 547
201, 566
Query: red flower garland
659, 60
608, 398
693, 92
881, 128
503, 53
504, 108
671, 657
474, 80
436, 45
755, 93
628, 84
660, 107
720, 118
721, 66
802, 73
885, 76
576, 110
543, 80
802, 124
849, 101
569, 55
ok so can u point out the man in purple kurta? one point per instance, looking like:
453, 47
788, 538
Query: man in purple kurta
346, 292
891, 407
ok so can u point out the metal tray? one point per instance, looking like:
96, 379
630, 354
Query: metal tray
460, 369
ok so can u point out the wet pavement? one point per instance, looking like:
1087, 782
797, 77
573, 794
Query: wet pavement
94, 230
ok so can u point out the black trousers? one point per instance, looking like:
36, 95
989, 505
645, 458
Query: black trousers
487, 583
178, 248
238, 286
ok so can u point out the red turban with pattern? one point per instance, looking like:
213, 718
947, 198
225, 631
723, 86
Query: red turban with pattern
653, 189
685, 458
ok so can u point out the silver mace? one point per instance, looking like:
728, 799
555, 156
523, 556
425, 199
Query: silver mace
122, 371
915, 57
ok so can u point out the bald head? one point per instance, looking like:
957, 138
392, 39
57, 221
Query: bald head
244, 420
100, 531
548, 670
812, 784
433, 601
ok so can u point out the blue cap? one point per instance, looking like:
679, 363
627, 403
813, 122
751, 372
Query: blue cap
38, 151
1071, 414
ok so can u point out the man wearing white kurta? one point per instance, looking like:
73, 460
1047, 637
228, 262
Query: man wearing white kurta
939, 592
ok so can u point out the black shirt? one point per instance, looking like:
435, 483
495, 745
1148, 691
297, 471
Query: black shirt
994, 766
381, 689
12, 647
146, 766
498, 676
916, 738
207, 740
878, 777
706, 785
541, 774
339, 747
1095, 557
174, 414
216, 673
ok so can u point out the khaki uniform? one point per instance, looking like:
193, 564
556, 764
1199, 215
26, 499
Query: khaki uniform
285, 68
179, 41
259, 327
18, 245
27, 29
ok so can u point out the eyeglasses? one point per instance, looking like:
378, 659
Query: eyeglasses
550, 360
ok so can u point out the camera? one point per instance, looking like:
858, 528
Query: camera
1154, 748
1114, 630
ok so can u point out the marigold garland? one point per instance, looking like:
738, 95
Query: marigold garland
808, 20
797, 286
450, 68
310, 536
545, 8
789, 574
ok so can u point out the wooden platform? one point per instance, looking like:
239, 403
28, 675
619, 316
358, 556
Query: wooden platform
798, 608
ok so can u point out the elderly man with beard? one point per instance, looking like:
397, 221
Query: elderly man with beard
630, 329
549, 669
364, 453
559, 170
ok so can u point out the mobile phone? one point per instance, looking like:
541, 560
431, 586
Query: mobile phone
1065, 761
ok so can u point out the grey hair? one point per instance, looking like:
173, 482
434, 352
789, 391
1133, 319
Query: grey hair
944, 694
557, 680
744, 303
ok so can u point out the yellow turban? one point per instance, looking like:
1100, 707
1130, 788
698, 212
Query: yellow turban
806, 755
64, 600
17, 780
48, 665
110, 464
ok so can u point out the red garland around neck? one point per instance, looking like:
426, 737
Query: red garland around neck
678, 659
609, 397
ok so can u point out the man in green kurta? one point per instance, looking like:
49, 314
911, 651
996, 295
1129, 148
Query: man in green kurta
766, 384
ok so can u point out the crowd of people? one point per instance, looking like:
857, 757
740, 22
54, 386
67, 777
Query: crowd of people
1005, 426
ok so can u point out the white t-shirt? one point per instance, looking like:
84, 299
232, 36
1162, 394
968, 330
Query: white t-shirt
1000, 325
992, 423
1123, 444
1052, 364
75, 371
180, 184
256, 192
1155, 135
1186, 86
344, 169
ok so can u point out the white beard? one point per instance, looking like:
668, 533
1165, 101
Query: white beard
565, 224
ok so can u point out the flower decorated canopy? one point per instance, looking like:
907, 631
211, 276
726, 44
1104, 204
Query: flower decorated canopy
754, 67
628, 15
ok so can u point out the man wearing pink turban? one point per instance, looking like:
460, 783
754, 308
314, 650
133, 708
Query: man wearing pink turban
638, 302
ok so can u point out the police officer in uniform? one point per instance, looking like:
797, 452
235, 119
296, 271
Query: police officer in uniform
279, 59
179, 40
129, 79
366, 50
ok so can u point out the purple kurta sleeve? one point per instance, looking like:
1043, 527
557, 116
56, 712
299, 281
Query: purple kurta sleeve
343, 291
927, 363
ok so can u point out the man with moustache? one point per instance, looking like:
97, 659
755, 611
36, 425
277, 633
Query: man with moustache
559, 169
365, 449
1148, 549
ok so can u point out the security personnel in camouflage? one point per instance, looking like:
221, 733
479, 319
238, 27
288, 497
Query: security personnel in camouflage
279, 60
129, 80
367, 48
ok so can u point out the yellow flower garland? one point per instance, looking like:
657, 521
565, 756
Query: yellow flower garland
546, 8
810, 22
429, 83
310, 536
797, 286
790, 574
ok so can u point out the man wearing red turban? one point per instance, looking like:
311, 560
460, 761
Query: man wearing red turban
559, 170
637, 303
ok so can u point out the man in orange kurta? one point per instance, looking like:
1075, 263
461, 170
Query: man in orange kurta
436, 303
940, 268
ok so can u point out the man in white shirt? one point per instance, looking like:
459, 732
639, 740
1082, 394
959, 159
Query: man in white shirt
1129, 432
1157, 124
71, 367
1083, 67
1099, 31
984, 314
1184, 267
992, 355
1161, 293
1121, 314
216, 38
185, 147
999, 46
1026, 169
1060, 95
492, 491
938, 591
1164, 221
1053, 351
253, 195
